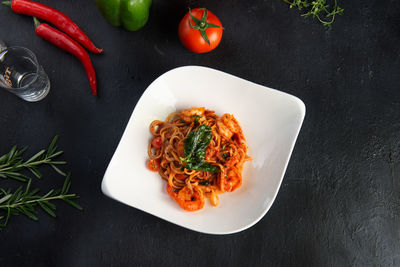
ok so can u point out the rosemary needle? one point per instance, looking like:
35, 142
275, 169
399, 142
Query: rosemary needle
25, 201
12, 163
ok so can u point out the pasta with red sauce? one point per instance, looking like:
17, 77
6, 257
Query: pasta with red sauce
199, 154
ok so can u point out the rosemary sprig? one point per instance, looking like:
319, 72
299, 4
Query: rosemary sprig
12, 163
25, 201
317, 9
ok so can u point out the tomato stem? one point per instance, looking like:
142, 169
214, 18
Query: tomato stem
202, 25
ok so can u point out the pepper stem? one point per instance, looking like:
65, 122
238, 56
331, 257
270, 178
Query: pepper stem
36, 22
7, 3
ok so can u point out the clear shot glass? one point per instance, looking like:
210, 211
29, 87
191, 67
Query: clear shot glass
21, 74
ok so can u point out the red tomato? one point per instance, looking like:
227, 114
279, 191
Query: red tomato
153, 165
156, 142
209, 25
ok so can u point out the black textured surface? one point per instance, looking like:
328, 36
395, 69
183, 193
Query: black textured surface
339, 202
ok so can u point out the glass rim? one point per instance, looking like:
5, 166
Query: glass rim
32, 56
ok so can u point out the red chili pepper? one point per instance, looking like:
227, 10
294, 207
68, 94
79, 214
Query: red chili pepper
55, 17
67, 44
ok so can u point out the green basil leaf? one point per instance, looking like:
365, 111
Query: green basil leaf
195, 145
197, 141
202, 166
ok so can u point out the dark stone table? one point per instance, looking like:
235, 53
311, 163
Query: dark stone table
339, 201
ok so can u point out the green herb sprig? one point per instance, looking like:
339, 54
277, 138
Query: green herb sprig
25, 201
317, 9
12, 163
195, 145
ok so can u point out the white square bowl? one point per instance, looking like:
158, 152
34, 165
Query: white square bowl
270, 119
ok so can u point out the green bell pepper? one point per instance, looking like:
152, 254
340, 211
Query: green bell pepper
131, 14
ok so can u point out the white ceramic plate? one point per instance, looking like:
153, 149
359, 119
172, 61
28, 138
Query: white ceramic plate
270, 120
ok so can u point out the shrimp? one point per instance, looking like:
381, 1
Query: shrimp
188, 114
231, 181
188, 199
232, 161
227, 126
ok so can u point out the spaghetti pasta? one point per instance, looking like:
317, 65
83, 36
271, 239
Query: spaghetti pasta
199, 154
